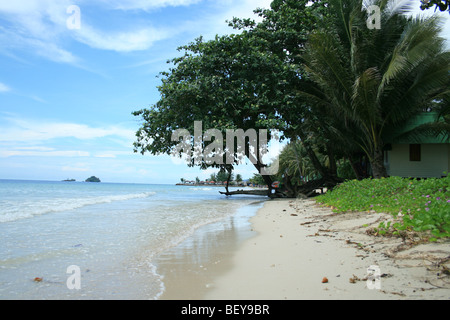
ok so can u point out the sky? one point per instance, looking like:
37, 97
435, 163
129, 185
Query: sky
73, 71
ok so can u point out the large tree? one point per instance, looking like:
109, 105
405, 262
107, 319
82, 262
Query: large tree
241, 81
315, 70
285, 28
227, 83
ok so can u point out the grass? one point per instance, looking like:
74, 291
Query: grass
422, 206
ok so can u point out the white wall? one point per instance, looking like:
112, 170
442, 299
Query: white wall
435, 159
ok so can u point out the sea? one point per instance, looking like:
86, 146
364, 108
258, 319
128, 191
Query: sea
64, 240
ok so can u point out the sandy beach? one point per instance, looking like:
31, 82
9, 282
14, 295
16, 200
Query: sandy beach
298, 250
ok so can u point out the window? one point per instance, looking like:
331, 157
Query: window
414, 152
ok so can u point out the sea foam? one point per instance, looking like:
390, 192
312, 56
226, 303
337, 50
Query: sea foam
14, 210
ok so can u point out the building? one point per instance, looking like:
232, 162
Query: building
418, 156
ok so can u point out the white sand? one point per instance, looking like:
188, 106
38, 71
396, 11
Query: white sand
300, 243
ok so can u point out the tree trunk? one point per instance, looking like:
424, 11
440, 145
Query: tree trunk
230, 171
332, 160
312, 155
247, 192
356, 167
267, 179
377, 164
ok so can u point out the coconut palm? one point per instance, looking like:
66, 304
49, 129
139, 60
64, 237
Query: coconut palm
375, 79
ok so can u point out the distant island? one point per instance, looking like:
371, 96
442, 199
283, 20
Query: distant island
69, 180
93, 179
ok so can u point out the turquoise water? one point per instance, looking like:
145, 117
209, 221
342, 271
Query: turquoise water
110, 232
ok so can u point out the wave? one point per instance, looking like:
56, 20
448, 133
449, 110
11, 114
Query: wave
15, 210
201, 189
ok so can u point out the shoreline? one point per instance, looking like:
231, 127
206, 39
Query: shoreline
188, 270
293, 245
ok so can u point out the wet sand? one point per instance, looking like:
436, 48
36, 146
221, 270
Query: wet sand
297, 250
190, 269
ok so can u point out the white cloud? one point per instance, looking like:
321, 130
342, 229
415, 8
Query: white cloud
74, 169
149, 5
50, 51
40, 26
25, 130
35, 148
36, 27
63, 153
4, 88
245, 8
213, 21
34, 138
15, 41
120, 41
38, 99
24, 6
105, 155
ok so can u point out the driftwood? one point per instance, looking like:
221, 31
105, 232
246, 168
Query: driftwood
264, 192
309, 189
271, 193
306, 190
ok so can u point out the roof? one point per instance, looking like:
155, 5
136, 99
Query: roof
402, 134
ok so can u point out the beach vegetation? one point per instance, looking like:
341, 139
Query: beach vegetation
333, 87
416, 205
238, 81
374, 80
225, 83
256, 180
223, 176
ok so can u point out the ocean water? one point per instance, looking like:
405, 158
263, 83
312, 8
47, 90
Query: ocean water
110, 232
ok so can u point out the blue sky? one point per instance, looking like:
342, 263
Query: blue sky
66, 95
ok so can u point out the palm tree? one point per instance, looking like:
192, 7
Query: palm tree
296, 167
375, 79
295, 163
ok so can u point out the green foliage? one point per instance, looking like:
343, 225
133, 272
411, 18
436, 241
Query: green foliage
223, 175
227, 83
296, 167
295, 164
372, 80
315, 71
246, 80
419, 205
257, 180
345, 171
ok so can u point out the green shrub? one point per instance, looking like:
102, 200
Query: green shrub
421, 205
